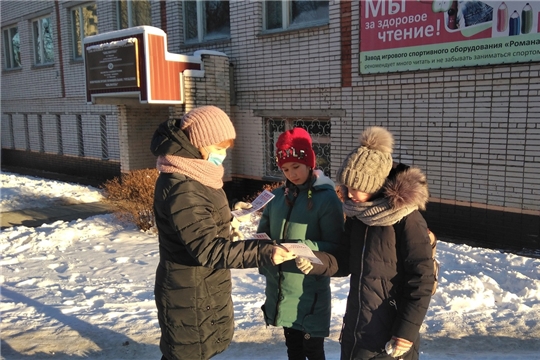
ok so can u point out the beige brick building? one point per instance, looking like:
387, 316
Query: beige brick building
474, 130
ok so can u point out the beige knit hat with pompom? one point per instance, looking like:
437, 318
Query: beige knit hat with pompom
366, 168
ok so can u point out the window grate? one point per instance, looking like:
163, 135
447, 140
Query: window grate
40, 133
104, 142
26, 132
59, 137
11, 131
80, 137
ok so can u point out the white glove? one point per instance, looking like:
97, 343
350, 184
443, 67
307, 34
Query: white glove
240, 205
304, 265
235, 230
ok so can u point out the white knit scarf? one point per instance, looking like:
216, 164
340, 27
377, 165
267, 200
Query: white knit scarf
203, 171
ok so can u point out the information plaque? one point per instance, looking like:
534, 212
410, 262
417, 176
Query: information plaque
113, 65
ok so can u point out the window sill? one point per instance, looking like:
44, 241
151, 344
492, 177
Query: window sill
205, 43
42, 66
11, 70
273, 178
268, 33
76, 61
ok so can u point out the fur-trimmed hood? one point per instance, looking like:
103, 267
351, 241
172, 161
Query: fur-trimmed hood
407, 187
404, 191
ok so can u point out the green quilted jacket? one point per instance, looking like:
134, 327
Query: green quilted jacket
293, 299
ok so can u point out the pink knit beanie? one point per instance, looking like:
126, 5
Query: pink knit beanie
207, 125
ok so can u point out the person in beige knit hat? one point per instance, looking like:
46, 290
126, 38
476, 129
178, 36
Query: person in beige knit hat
386, 250
193, 281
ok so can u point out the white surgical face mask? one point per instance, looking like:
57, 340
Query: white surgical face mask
216, 159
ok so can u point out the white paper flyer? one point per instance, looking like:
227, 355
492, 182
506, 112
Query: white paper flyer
302, 251
257, 204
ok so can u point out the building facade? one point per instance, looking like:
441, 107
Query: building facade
471, 122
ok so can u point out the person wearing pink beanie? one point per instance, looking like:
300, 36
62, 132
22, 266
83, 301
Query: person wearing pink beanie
193, 281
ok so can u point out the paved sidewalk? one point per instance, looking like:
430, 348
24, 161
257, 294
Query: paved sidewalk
47, 215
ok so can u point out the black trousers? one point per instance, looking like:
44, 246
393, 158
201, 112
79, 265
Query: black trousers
301, 345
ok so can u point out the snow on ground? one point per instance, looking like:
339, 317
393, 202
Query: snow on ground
84, 290
24, 192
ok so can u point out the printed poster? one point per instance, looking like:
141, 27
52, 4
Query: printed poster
407, 35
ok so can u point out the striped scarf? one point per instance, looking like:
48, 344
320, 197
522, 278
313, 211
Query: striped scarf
377, 212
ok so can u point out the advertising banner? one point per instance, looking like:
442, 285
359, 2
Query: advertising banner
406, 35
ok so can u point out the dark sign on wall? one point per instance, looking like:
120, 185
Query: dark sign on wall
112, 66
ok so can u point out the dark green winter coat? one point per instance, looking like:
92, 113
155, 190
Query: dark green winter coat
292, 299
193, 283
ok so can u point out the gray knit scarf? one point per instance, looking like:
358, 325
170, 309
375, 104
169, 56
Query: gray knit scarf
203, 171
377, 212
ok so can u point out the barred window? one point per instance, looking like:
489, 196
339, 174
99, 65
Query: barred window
318, 128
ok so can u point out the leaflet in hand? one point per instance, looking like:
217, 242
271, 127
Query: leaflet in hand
257, 204
302, 251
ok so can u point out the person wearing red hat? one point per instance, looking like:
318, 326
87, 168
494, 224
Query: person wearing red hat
305, 209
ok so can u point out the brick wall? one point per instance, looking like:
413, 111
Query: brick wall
475, 131
81, 170
137, 125
211, 89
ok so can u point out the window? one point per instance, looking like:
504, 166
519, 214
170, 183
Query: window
206, 20
43, 41
84, 23
319, 129
286, 14
133, 13
12, 44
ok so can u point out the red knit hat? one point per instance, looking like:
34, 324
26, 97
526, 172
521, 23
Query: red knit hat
295, 146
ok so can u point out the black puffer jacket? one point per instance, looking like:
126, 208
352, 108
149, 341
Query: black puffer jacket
193, 286
391, 272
